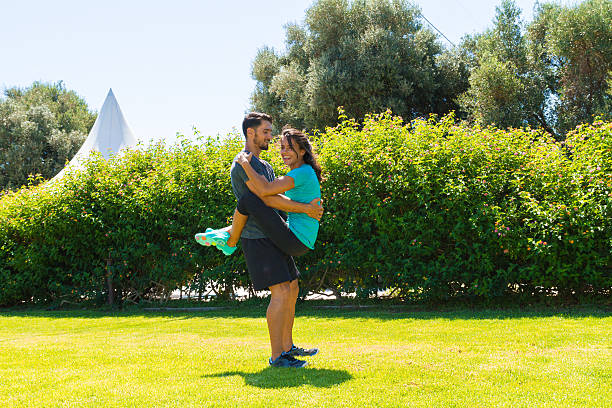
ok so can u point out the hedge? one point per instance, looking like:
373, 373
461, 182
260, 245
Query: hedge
428, 209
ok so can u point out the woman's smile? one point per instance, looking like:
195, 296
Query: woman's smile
289, 153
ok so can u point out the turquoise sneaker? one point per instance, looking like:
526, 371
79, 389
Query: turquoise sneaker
202, 239
216, 238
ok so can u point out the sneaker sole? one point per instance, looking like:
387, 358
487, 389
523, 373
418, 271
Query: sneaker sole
305, 355
290, 366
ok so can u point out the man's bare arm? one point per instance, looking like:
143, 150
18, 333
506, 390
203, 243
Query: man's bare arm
284, 203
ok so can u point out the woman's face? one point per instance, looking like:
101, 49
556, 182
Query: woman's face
292, 157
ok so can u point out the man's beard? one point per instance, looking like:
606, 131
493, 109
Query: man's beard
264, 146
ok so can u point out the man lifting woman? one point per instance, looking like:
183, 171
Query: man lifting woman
268, 240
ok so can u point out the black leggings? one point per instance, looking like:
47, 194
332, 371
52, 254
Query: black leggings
271, 224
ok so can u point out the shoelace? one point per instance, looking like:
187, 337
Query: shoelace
295, 349
289, 357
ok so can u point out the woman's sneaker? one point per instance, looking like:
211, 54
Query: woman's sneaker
285, 360
216, 238
302, 352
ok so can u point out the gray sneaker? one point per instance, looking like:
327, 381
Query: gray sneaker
286, 360
302, 352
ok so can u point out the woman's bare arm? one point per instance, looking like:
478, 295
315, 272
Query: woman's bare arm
258, 183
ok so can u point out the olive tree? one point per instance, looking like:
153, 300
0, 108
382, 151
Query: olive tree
367, 56
41, 127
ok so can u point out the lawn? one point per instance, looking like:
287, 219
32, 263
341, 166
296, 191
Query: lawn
373, 357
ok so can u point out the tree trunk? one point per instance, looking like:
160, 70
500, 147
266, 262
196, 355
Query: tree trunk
109, 282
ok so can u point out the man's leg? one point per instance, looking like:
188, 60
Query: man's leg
294, 290
276, 316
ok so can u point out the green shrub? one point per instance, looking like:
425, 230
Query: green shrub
432, 208
130, 220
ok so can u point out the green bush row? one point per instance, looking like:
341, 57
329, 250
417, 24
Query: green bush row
432, 208
435, 208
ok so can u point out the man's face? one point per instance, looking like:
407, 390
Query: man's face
263, 135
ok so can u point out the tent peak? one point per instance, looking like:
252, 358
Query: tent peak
109, 135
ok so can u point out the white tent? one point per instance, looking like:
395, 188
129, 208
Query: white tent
109, 134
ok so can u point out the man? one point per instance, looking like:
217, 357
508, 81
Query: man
268, 266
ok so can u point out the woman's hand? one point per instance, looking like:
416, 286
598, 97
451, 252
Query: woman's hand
244, 158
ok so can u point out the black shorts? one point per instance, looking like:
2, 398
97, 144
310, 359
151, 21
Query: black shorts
267, 264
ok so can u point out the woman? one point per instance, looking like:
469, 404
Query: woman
298, 234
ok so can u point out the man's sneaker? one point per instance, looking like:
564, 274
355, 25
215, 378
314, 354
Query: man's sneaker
302, 352
285, 360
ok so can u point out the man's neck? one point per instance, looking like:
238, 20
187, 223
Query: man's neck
251, 147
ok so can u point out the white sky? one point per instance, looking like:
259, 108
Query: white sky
171, 64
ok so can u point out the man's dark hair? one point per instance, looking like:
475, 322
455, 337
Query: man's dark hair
253, 120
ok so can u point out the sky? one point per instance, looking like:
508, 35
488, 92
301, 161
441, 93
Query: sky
172, 65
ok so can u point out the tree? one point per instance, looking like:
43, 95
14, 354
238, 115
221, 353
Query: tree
364, 55
508, 86
581, 41
552, 73
41, 127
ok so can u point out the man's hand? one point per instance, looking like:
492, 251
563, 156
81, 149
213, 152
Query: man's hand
244, 158
316, 210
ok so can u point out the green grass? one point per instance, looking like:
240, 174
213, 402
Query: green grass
380, 358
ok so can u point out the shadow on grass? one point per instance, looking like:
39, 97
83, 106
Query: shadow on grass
381, 310
314, 309
289, 377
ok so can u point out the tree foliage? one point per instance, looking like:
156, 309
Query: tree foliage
581, 41
40, 128
551, 73
507, 84
364, 55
